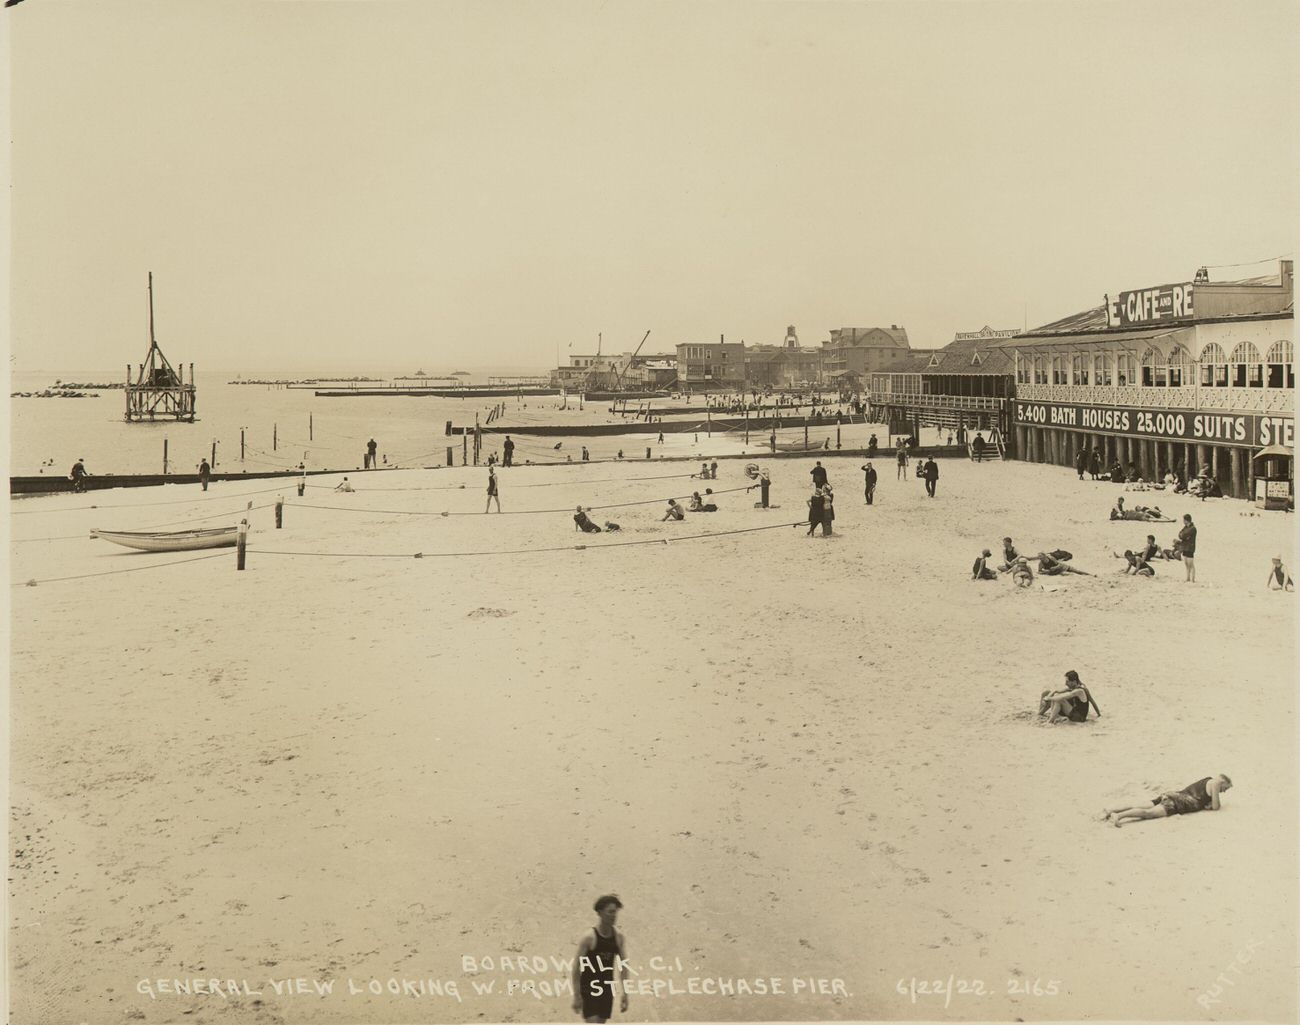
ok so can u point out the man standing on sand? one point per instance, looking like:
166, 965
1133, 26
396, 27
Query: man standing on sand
902, 460
1187, 545
492, 492
931, 476
205, 474
508, 452
818, 474
599, 967
1203, 795
870, 489
371, 448
977, 447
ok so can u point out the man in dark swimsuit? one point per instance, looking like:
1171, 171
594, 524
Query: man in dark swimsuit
598, 968
1203, 795
1187, 544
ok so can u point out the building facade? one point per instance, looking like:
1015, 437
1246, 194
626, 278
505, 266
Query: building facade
709, 365
862, 350
788, 365
1181, 376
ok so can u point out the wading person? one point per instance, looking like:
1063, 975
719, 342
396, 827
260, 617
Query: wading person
598, 969
1203, 795
492, 492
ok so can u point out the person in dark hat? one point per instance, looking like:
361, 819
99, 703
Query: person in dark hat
599, 966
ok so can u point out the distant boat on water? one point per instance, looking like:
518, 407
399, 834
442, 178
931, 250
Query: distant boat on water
460, 373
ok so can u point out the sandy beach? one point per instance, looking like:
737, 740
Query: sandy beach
793, 758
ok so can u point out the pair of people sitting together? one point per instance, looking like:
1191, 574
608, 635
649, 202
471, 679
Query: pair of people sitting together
698, 504
1069, 704
583, 522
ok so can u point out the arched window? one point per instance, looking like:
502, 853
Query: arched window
1079, 371
1179, 367
1214, 367
1060, 370
1101, 370
1153, 369
1244, 367
1126, 369
1280, 365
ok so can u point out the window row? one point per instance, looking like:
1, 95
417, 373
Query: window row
1243, 368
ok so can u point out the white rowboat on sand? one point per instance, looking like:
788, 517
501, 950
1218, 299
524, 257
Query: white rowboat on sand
171, 541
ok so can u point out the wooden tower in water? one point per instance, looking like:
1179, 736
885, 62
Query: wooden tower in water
158, 392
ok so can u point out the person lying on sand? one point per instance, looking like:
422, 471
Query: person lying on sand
675, 511
1069, 704
1278, 578
581, 521
1021, 574
1051, 566
1138, 512
981, 571
1203, 795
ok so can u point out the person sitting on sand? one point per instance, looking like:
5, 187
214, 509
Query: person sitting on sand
1203, 795
1116, 473
699, 505
675, 511
1021, 574
1136, 564
344, 486
1050, 566
1070, 704
703, 474
981, 571
1009, 555
1278, 578
611, 527
1138, 512
581, 521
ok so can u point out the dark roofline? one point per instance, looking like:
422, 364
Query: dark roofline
1136, 328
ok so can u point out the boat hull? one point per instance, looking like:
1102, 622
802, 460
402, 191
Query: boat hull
171, 541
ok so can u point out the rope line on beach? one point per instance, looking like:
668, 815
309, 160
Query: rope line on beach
111, 572
143, 505
542, 484
514, 512
155, 526
526, 551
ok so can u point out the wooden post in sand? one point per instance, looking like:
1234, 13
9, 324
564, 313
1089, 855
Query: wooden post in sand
709, 427
241, 544
746, 425
478, 439
241, 444
275, 437
805, 432
164, 456
279, 512
310, 427
450, 452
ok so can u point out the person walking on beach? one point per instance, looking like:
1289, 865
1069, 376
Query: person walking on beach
902, 461
869, 489
508, 452
931, 476
78, 475
818, 474
371, 448
828, 510
661, 437
492, 492
1203, 795
205, 474
1187, 546
977, 447
1081, 461
599, 967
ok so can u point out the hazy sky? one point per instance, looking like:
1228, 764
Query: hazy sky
363, 185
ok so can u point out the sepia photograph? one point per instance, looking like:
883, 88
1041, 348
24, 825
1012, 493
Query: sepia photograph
629, 511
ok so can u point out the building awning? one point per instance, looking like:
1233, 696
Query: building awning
1088, 340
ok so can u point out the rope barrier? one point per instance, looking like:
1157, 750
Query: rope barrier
111, 572
527, 551
514, 512
144, 505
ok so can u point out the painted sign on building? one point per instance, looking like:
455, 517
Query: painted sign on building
1150, 305
1249, 430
